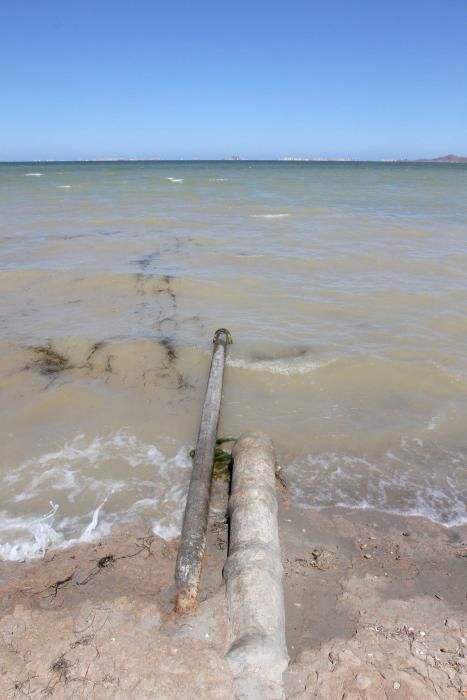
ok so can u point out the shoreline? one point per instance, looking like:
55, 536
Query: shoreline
375, 603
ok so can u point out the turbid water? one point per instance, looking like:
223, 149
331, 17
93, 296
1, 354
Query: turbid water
344, 287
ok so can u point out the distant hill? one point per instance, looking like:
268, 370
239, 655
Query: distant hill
447, 159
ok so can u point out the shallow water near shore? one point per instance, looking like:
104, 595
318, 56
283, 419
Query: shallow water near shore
343, 286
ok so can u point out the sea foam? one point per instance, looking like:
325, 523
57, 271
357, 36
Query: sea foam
268, 216
287, 366
88, 480
30, 538
408, 482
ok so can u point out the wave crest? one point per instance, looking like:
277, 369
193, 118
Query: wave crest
85, 479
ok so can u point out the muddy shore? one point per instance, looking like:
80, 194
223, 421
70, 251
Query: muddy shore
375, 608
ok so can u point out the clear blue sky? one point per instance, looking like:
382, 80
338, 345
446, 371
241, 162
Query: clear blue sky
363, 79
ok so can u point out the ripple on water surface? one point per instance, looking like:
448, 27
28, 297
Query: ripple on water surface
343, 286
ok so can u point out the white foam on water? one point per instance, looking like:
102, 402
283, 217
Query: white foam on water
94, 482
268, 216
285, 366
30, 538
410, 482
434, 422
91, 528
27, 538
33, 175
176, 179
63, 187
166, 532
169, 522
62, 479
249, 256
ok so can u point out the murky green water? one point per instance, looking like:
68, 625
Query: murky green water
344, 286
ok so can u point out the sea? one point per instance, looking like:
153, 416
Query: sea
343, 285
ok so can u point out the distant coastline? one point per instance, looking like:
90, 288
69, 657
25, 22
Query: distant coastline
444, 159
451, 158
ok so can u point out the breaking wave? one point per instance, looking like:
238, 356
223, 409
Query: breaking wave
414, 481
83, 482
286, 366
268, 216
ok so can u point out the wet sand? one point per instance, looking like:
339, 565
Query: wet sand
375, 608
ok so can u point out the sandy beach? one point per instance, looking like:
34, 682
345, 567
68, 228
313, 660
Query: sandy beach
375, 608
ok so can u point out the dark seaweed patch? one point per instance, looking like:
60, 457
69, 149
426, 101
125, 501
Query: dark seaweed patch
165, 324
106, 561
166, 320
61, 666
169, 347
167, 280
167, 368
161, 286
146, 260
141, 283
49, 360
97, 346
183, 382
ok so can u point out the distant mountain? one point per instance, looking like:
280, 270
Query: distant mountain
447, 159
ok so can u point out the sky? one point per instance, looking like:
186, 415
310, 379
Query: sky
337, 78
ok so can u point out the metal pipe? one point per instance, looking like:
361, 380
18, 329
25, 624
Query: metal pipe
193, 536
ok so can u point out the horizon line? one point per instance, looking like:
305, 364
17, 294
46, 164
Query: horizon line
237, 159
